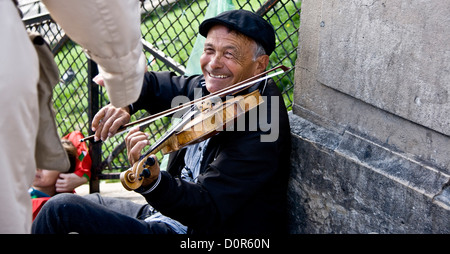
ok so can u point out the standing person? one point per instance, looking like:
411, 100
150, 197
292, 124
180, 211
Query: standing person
109, 30
232, 182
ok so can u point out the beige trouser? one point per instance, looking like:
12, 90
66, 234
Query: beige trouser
19, 73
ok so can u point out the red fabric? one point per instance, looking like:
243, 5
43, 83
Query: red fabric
37, 204
82, 167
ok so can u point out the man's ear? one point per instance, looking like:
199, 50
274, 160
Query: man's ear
263, 62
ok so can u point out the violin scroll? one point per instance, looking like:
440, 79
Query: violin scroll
142, 170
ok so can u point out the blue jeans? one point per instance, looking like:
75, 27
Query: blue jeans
94, 214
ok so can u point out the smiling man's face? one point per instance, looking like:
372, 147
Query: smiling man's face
228, 58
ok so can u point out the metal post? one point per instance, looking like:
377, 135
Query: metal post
95, 149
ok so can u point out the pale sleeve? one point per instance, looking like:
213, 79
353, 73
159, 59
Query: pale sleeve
109, 31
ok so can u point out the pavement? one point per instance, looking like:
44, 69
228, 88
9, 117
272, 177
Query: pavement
116, 190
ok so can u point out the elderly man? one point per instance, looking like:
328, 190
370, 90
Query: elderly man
230, 183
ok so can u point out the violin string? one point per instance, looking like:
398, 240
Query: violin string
185, 119
264, 88
239, 88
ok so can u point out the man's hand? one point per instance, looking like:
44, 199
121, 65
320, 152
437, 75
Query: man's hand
136, 141
108, 120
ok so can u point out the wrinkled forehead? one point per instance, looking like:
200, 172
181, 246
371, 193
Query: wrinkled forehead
218, 32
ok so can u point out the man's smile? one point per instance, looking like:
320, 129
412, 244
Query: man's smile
218, 76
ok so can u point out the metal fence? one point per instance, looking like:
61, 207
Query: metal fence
169, 30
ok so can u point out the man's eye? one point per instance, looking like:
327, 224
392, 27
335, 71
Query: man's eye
229, 55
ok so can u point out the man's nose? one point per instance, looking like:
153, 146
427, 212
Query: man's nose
216, 61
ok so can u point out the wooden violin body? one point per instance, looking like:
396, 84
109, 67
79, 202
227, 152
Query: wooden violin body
212, 117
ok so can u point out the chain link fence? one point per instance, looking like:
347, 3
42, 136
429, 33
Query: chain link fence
169, 31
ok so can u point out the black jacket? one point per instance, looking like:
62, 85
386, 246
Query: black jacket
242, 183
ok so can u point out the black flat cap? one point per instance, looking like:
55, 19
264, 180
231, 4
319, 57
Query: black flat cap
245, 22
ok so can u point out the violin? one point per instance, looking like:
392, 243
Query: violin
205, 117
200, 123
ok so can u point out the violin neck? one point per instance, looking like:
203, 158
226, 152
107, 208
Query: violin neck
164, 140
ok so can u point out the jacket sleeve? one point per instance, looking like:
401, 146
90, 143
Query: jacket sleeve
160, 88
109, 31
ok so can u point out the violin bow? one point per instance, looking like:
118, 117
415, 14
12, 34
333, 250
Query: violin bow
233, 89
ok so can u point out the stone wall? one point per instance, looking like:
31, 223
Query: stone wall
371, 118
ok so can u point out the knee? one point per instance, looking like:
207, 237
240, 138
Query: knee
57, 204
55, 211
64, 198
94, 197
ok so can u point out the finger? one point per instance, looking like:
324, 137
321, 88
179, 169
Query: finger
135, 138
61, 177
60, 183
119, 118
99, 116
99, 80
62, 189
131, 132
98, 122
135, 152
107, 121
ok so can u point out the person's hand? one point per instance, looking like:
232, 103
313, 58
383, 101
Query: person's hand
67, 182
108, 120
99, 80
136, 141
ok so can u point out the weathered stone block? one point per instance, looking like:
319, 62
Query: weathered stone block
371, 118
391, 54
344, 183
